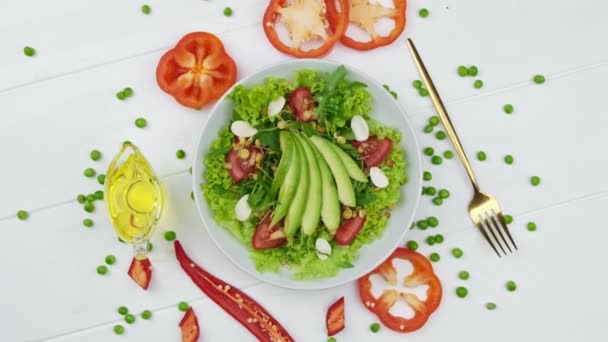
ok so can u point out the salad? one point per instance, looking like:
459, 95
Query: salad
303, 175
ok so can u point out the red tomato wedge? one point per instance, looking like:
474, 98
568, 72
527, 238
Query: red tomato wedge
141, 272
242, 160
266, 237
422, 274
335, 317
302, 104
348, 230
373, 150
306, 20
365, 15
234, 301
197, 70
189, 327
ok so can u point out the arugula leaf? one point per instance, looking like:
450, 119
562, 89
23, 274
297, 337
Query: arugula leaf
308, 130
344, 264
335, 77
270, 139
364, 197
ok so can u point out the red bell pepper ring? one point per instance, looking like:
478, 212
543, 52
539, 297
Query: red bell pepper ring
141, 272
365, 15
189, 326
421, 275
235, 302
305, 20
335, 317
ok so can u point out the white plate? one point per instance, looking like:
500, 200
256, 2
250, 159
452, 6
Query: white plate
386, 110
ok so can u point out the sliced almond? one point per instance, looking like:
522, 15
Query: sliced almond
242, 209
378, 177
276, 106
359, 127
242, 129
323, 248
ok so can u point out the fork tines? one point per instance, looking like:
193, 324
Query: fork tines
494, 229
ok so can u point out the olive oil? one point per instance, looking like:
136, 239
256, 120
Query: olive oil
134, 197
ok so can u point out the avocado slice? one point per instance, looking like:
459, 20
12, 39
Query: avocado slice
290, 184
346, 194
312, 215
354, 171
293, 220
330, 209
286, 143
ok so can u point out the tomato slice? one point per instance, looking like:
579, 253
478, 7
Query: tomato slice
266, 237
365, 15
349, 229
302, 104
306, 20
374, 150
197, 70
141, 272
189, 326
241, 164
334, 320
422, 274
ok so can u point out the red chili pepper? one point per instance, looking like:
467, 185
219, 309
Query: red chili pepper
141, 272
189, 326
335, 317
235, 302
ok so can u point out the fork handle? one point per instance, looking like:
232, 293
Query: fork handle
443, 114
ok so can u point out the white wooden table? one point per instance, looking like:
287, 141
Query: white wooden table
60, 104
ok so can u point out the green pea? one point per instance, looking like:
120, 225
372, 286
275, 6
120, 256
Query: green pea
457, 253
110, 259
150, 246
427, 176
428, 129
89, 172
535, 180
101, 179
481, 156
508, 108
430, 240
437, 201
508, 219
394, 94
417, 84
478, 84
436, 160
145, 9
491, 306
439, 238
429, 151
192, 195
120, 95
90, 197
183, 306
462, 291
170, 235
539, 79
119, 329
87, 223
23, 215
190, 170
413, 245
141, 122
434, 120
472, 71
431, 191
423, 92
434, 257
508, 159
102, 269
129, 318
463, 275
423, 13
331, 339
95, 155
448, 154
89, 207
531, 226
440, 135
432, 221
444, 193
123, 310
511, 286
462, 71
228, 11
128, 91
126, 142
81, 199
29, 51
146, 314
180, 154
98, 195
422, 224
374, 327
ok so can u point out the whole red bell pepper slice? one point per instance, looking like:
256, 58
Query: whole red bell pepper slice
421, 275
306, 20
197, 70
334, 319
235, 302
189, 326
141, 271
365, 15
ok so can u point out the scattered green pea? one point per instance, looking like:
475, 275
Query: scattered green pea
436, 160
462, 291
110, 259
535, 180
422, 224
102, 269
490, 306
180, 154
394, 94
434, 120
427, 176
457, 252
443, 193
183, 306
89, 172
141, 122
121, 95
428, 129
434, 257
190, 170
472, 71
463, 275
423, 92
432, 221
129, 318
23, 215
150, 246
508, 108
126, 142
29, 51
81, 199
101, 179
90, 197
145, 9
146, 314
87, 223
437, 201
440, 135
508, 159
170, 235
119, 329
448, 154
98, 195
508, 219
331, 339
462, 71
374, 327
531, 226
413, 245
95, 155
439, 238
423, 13
123, 310
417, 84
192, 195
89, 207
511, 286
228, 11
429, 151
431, 191
128, 91
478, 84
539, 79
430, 240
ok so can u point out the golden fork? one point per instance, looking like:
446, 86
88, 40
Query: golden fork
483, 208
